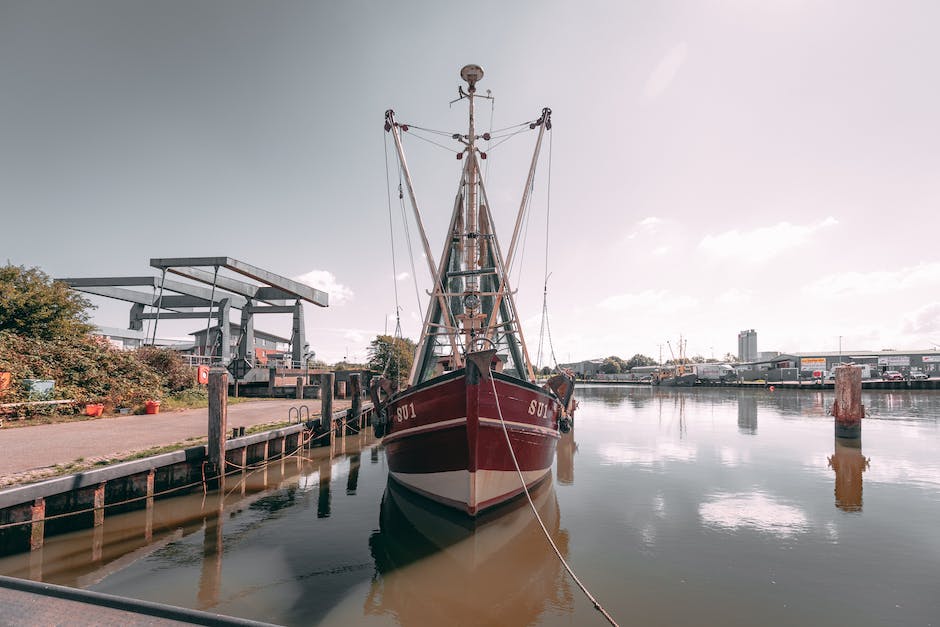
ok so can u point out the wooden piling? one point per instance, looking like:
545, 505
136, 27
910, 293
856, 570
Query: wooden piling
355, 392
847, 410
299, 388
272, 380
326, 403
218, 425
148, 524
37, 530
99, 505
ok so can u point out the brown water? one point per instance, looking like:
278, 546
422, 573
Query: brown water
693, 507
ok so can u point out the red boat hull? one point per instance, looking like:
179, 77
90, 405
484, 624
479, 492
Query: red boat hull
446, 441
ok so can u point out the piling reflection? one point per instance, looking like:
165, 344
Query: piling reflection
747, 414
352, 481
210, 577
848, 463
323, 498
564, 453
424, 553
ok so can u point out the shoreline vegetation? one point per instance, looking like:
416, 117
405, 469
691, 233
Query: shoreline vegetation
45, 334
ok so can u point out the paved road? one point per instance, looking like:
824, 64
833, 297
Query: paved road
25, 449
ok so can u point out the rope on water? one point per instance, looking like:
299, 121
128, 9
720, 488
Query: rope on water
548, 536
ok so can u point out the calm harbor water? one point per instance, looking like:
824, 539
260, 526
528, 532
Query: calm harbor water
696, 507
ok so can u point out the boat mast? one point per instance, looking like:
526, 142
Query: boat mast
472, 318
471, 74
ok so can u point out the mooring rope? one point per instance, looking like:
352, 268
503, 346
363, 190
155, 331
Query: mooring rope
528, 496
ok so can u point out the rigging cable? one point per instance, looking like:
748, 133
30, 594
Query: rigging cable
404, 221
525, 238
486, 170
425, 139
546, 329
391, 235
411, 256
391, 230
528, 496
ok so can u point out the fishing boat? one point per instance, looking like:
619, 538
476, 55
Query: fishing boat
471, 428
680, 375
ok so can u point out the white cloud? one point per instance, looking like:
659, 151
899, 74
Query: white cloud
402, 276
661, 250
645, 226
355, 335
665, 72
655, 454
762, 243
924, 321
649, 301
920, 277
734, 296
326, 281
753, 511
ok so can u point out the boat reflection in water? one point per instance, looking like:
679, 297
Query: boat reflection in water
497, 569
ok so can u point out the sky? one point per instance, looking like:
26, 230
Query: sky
713, 166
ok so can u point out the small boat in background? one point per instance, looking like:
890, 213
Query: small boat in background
680, 375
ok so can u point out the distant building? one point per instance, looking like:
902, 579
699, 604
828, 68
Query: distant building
582, 369
747, 346
927, 361
206, 342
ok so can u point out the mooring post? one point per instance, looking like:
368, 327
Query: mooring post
272, 380
326, 403
847, 410
299, 389
99, 505
148, 524
218, 425
38, 527
355, 393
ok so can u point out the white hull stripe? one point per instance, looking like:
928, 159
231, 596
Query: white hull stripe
455, 486
424, 428
522, 426
492, 422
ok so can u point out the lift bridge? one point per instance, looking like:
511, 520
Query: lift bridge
214, 298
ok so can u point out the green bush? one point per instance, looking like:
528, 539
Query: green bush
177, 375
86, 369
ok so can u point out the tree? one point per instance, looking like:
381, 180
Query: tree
391, 356
640, 360
33, 305
613, 365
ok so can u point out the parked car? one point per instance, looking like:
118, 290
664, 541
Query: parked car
919, 375
892, 375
